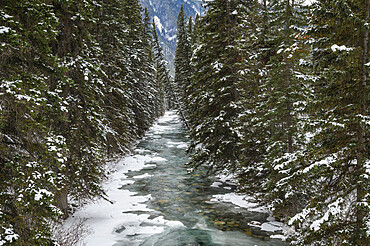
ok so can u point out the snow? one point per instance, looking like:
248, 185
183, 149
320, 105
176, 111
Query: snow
196, 10
217, 66
309, 2
146, 175
336, 47
63, 108
272, 226
9, 236
170, 38
41, 193
216, 184
151, 4
334, 208
239, 200
158, 23
4, 29
227, 179
325, 162
278, 236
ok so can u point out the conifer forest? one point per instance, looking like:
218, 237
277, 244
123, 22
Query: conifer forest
274, 93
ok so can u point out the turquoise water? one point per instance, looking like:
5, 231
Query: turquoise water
181, 196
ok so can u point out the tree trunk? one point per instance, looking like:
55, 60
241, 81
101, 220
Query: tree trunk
61, 200
287, 80
360, 213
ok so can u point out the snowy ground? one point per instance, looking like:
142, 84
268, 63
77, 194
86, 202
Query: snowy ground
104, 218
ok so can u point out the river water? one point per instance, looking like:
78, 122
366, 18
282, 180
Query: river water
177, 195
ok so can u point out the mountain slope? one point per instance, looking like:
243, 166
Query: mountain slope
165, 14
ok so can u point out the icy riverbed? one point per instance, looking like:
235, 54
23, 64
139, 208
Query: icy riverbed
155, 201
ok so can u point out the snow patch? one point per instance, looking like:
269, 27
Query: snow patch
4, 29
336, 47
145, 175
240, 201
170, 38
216, 184
158, 23
41, 193
278, 236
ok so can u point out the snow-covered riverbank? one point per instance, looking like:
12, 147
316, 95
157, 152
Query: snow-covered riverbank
133, 218
105, 218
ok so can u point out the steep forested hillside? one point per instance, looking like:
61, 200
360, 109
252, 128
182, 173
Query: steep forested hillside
276, 94
79, 82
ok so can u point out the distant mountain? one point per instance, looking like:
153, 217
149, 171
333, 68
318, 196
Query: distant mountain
165, 14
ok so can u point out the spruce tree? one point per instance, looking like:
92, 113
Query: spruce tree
214, 96
110, 33
162, 74
82, 94
182, 60
286, 96
139, 75
31, 152
193, 36
252, 172
155, 94
337, 156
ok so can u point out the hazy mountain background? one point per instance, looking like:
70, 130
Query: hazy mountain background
165, 14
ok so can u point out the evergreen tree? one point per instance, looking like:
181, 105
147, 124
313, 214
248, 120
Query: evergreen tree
189, 31
136, 79
195, 32
257, 50
284, 104
189, 89
31, 153
155, 94
162, 76
82, 94
182, 60
214, 96
111, 33
336, 161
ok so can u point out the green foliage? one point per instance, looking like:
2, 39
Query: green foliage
29, 168
71, 75
213, 94
162, 75
182, 58
337, 152
279, 98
